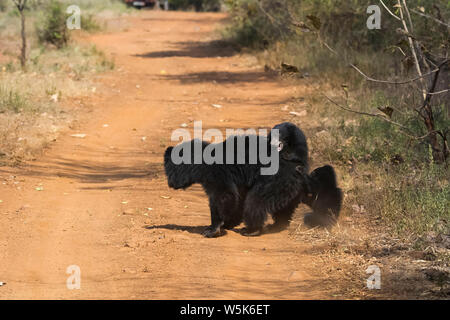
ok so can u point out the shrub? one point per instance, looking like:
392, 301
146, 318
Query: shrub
416, 201
250, 27
198, 5
11, 100
52, 28
89, 24
3, 5
393, 175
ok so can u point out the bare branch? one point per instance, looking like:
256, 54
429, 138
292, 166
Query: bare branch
408, 16
411, 45
376, 80
406, 131
415, 41
20, 4
390, 12
271, 19
438, 92
420, 77
433, 87
392, 82
329, 48
430, 17
399, 49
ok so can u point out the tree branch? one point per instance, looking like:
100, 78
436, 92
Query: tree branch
390, 12
271, 19
409, 17
438, 92
376, 80
431, 92
392, 82
411, 45
406, 131
430, 17
20, 4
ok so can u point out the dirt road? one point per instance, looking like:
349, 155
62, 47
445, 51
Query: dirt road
102, 203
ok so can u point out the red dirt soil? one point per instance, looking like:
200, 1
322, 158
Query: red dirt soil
86, 201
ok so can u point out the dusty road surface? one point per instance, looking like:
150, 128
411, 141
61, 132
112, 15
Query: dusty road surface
102, 202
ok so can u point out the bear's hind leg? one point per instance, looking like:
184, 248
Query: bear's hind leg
283, 216
223, 214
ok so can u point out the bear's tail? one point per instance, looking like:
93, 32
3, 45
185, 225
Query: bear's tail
324, 198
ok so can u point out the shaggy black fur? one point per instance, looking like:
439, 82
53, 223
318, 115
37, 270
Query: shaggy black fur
239, 192
325, 198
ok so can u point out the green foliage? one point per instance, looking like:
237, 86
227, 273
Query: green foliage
89, 24
11, 100
251, 27
96, 6
52, 28
198, 5
390, 173
3, 5
373, 140
341, 21
103, 63
387, 171
293, 32
416, 200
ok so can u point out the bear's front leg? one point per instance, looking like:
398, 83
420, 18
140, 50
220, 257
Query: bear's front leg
215, 229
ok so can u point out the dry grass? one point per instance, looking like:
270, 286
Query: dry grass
37, 104
359, 241
395, 211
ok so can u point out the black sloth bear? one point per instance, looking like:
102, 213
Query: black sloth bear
241, 192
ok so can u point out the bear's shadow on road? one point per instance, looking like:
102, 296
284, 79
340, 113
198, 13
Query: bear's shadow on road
201, 229
190, 229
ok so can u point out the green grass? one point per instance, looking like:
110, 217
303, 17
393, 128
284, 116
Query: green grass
90, 24
103, 63
387, 172
95, 6
4, 5
390, 174
381, 168
417, 201
11, 100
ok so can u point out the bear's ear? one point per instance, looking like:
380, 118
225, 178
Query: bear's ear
276, 143
280, 146
168, 152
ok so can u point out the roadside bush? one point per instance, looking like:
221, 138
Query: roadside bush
3, 5
342, 21
52, 27
251, 27
416, 201
198, 5
390, 172
89, 24
11, 100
